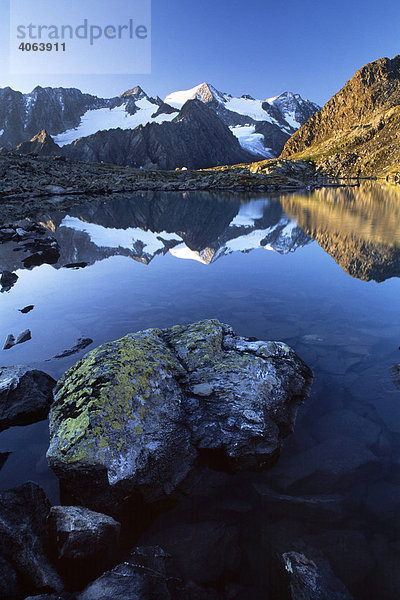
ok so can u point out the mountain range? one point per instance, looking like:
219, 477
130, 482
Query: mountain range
195, 128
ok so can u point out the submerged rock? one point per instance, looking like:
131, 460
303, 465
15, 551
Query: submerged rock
141, 577
23, 513
85, 543
134, 416
395, 371
25, 396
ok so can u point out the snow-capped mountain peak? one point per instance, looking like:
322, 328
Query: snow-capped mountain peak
204, 92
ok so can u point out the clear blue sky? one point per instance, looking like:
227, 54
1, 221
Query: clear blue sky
260, 47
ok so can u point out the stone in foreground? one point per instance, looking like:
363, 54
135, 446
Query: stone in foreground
141, 577
85, 543
25, 396
23, 513
134, 416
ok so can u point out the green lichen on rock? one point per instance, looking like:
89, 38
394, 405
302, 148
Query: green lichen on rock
141, 408
198, 344
116, 385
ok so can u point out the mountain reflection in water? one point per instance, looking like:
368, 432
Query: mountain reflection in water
273, 267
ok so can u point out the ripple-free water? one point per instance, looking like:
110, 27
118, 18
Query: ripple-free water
317, 271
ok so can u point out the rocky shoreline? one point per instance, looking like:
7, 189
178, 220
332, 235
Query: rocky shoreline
30, 184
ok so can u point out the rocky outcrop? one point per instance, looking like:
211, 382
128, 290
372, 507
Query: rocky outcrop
274, 137
167, 146
84, 543
25, 396
41, 143
357, 131
134, 416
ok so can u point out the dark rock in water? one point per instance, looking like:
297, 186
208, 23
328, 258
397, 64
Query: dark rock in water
27, 309
200, 552
7, 280
85, 543
25, 396
47, 252
309, 580
348, 553
78, 265
395, 370
317, 508
10, 342
80, 345
131, 419
24, 337
10, 585
328, 467
23, 513
141, 577
3, 458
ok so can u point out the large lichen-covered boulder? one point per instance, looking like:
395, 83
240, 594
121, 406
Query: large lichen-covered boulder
133, 416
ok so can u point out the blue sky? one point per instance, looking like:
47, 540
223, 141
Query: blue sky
256, 47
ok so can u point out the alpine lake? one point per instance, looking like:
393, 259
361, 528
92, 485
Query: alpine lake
319, 271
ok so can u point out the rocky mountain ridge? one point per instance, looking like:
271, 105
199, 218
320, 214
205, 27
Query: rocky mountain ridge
357, 132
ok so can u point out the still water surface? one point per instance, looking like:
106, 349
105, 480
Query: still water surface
317, 271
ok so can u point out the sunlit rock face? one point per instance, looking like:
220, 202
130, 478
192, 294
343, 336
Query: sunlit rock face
356, 132
134, 416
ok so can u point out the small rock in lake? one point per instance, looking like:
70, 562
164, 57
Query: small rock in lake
25, 396
10, 342
24, 337
80, 345
27, 309
7, 280
3, 458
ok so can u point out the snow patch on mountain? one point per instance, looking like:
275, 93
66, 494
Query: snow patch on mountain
114, 118
251, 141
249, 108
